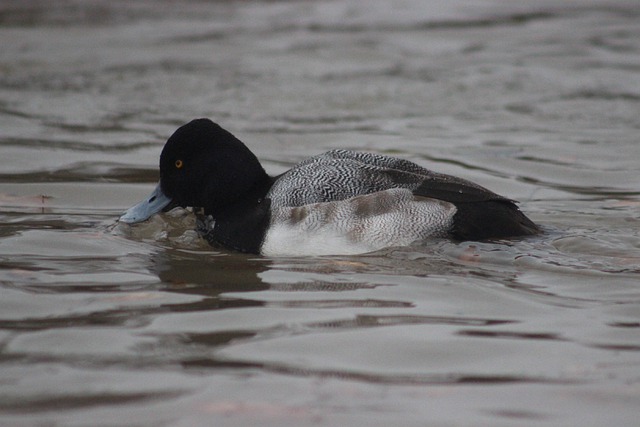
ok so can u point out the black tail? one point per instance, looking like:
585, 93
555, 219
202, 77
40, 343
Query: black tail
490, 219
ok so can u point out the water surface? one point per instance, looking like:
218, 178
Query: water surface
106, 324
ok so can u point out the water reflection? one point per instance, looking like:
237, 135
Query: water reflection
206, 273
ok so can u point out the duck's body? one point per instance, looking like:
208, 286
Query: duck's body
340, 202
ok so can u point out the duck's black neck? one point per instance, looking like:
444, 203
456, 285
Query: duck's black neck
242, 225
242, 198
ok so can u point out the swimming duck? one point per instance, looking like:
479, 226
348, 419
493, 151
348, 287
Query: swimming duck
339, 202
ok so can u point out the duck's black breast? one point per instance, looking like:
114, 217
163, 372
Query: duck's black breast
241, 225
242, 228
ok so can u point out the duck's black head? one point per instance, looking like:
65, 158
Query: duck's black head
204, 166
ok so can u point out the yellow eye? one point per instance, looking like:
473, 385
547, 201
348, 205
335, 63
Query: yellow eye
179, 163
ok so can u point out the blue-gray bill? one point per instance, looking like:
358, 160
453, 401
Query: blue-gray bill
144, 210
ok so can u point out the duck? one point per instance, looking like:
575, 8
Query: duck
341, 202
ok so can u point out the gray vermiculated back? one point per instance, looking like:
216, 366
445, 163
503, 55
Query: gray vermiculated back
341, 174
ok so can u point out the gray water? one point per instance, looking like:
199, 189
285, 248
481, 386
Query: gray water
110, 325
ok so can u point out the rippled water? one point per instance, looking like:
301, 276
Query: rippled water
105, 324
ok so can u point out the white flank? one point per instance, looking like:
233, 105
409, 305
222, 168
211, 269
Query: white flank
357, 225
